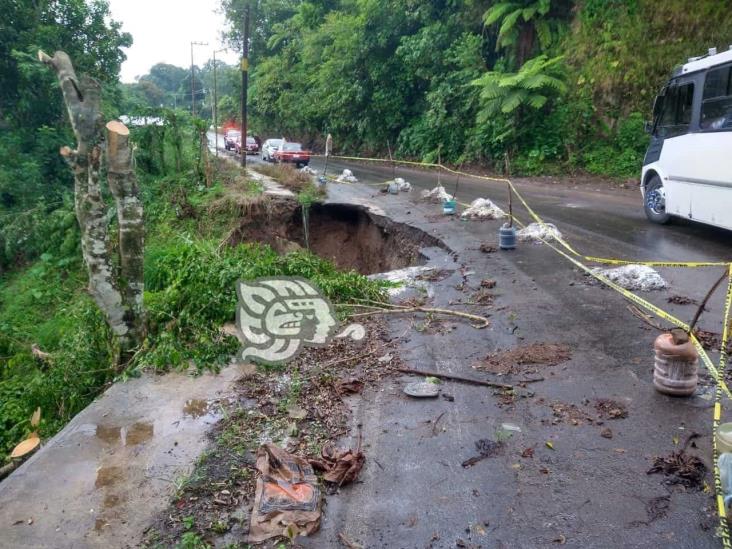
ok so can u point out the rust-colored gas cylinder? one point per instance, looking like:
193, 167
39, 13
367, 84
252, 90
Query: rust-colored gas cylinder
676, 365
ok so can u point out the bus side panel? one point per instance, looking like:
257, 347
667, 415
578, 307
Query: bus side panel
713, 205
699, 172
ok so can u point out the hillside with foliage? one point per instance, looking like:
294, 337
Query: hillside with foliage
558, 85
57, 353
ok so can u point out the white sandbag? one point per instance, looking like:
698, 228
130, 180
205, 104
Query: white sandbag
347, 177
536, 232
634, 277
482, 208
436, 195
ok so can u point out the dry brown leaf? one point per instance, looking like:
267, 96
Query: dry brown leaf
25, 447
36, 417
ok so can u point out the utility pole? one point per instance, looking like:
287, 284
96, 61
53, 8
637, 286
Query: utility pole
193, 83
216, 105
244, 85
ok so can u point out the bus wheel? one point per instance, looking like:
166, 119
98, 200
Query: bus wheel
655, 201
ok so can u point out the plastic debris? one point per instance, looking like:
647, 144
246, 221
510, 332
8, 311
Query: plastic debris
436, 195
287, 499
308, 170
402, 185
482, 208
421, 389
406, 278
535, 232
347, 177
633, 277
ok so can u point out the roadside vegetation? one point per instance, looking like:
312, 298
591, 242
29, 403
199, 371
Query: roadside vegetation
556, 85
56, 351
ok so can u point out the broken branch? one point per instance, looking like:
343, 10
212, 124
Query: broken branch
388, 308
455, 378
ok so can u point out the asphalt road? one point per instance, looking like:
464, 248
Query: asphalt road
597, 217
585, 490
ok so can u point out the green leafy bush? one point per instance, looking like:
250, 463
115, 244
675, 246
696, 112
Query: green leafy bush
191, 293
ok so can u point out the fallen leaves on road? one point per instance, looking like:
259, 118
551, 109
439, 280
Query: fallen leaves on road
349, 386
610, 409
287, 501
680, 468
340, 465
682, 300
486, 448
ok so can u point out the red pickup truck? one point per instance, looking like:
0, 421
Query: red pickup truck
292, 153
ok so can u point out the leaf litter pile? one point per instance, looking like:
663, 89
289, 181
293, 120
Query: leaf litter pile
521, 359
680, 467
298, 407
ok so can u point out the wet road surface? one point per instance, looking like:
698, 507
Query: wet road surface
586, 490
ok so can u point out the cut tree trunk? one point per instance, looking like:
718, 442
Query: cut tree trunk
123, 186
121, 304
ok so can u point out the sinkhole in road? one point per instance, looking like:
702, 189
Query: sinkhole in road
350, 236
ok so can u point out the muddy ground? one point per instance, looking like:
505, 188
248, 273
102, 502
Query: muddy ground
581, 452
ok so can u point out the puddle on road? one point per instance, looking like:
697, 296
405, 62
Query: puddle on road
196, 408
132, 435
108, 476
139, 433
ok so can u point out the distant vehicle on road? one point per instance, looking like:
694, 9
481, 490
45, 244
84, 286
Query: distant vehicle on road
687, 170
252, 147
230, 139
268, 149
292, 153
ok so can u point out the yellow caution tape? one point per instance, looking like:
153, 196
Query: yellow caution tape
716, 372
536, 217
721, 509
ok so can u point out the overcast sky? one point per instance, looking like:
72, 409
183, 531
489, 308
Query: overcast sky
162, 31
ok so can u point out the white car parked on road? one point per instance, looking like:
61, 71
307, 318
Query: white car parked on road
268, 149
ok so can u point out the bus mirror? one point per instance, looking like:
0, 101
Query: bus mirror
648, 126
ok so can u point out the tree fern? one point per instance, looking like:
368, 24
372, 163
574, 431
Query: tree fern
531, 86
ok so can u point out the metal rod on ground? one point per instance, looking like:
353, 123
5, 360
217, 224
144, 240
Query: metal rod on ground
457, 182
439, 162
244, 85
455, 378
704, 302
328, 147
510, 194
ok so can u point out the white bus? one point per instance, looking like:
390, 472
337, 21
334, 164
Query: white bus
687, 170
